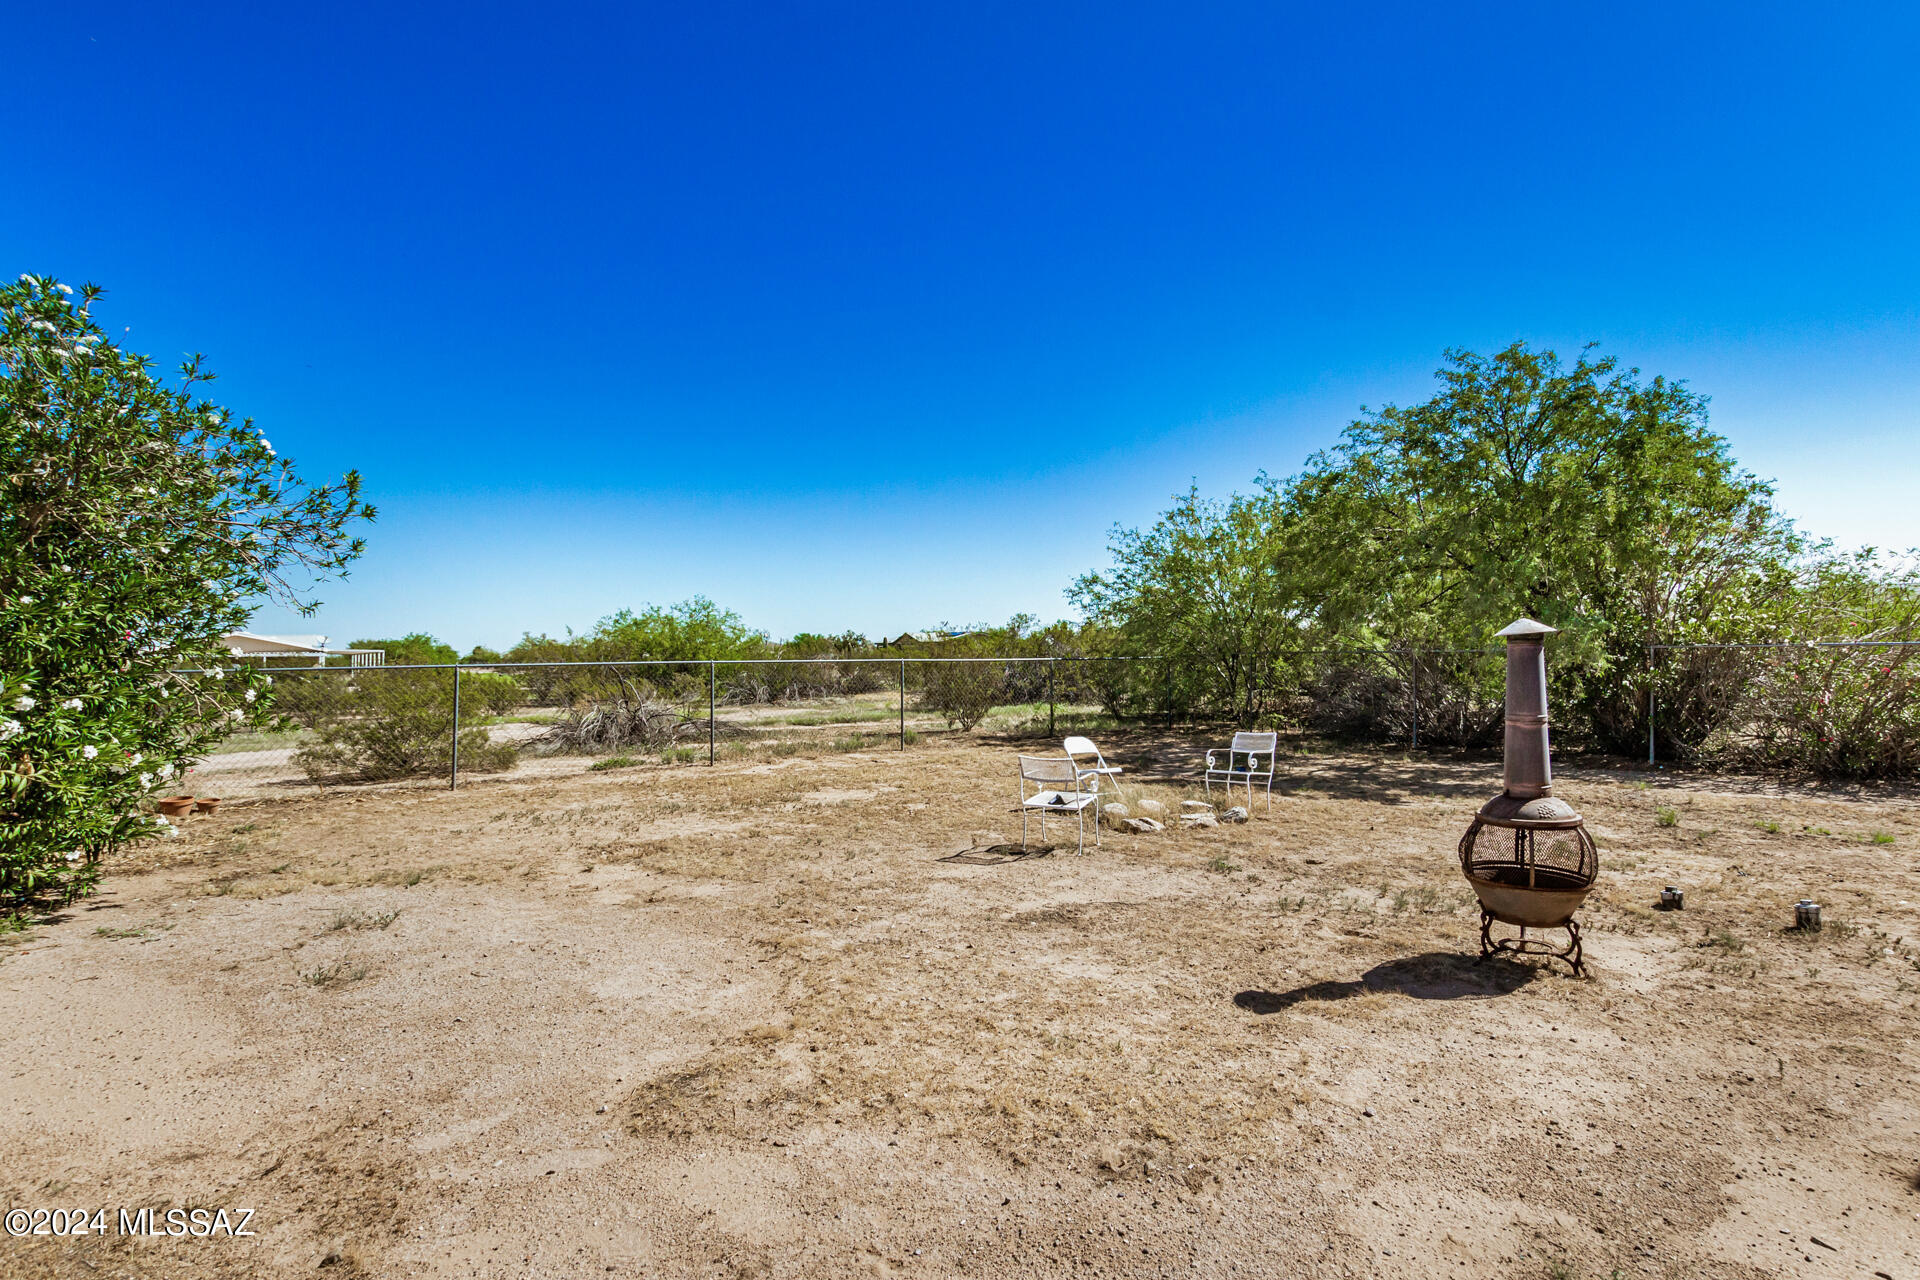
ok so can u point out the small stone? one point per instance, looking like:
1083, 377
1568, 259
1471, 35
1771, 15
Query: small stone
600, 1110
1116, 816
1236, 814
1196, 806
1199, 820
1367, 1112
1144, 826
1151, 809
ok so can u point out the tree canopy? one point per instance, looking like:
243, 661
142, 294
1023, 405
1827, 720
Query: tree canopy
1583, 495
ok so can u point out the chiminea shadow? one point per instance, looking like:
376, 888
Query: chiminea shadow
1437, 975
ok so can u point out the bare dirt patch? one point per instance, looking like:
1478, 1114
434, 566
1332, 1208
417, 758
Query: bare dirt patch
754, 1020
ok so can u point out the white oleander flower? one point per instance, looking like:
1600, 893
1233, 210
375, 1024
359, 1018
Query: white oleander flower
24, 703
89, 752
159, 821
136, 758
251, 695
72, 704
66, 289
268, 679
26, 599
9, 729
73, 857
234, 714
172, 832
146, 782
166, 771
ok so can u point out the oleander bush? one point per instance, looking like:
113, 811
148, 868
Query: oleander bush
138, 522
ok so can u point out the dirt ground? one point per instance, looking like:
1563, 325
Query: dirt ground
759, 1020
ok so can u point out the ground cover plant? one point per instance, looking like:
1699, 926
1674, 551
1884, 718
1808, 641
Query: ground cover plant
771, 1018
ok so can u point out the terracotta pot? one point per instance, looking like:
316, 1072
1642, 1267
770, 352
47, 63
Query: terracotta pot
176, 806
206, 804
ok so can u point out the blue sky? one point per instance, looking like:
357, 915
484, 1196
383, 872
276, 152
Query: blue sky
881, 316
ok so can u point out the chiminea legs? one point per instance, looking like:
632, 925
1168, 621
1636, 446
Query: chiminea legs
1525, 946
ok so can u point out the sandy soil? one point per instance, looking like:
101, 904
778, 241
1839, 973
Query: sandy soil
759, 1020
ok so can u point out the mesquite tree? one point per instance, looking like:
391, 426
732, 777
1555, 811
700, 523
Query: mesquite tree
138, 522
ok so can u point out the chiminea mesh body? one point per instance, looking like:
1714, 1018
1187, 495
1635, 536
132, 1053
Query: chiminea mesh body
1528, 855
1557, 860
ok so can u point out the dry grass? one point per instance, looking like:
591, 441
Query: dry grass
821, 1043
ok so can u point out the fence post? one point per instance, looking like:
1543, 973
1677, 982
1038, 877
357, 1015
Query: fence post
1051, 664
903, 704
1650, 704
1413, 681
712, 685
453, 774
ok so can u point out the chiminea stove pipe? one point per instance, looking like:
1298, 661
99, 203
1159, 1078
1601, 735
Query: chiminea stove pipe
1528, 766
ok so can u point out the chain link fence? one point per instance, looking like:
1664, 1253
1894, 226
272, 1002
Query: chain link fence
1841, 707
408, 725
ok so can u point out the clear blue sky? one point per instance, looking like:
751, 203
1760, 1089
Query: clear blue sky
878, 316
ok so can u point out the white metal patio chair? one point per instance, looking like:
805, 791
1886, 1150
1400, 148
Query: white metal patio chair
1089, 763
1250, 757
1058, 789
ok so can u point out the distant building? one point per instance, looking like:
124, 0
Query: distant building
907, 638
245, 644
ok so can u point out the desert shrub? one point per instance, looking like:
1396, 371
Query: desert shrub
400, 724
612, 725
962, 692
1372, 696
493, 691
1353, 696
306, 696
138, 522
1834, 712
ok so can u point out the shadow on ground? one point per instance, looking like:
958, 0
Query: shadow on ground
995, 854
1436, 975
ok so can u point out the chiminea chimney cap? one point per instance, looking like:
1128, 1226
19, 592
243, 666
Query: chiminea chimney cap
1526, 629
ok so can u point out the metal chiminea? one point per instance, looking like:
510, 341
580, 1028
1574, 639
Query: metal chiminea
1528, 855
